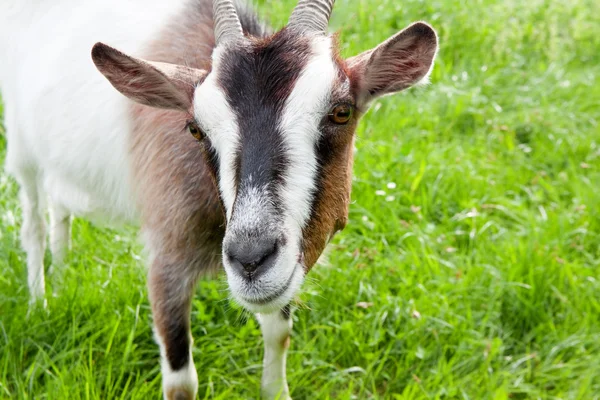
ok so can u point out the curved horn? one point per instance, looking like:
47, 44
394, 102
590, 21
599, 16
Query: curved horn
311, 16
227, 23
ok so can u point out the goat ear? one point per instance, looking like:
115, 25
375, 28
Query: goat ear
155, 84
396, 64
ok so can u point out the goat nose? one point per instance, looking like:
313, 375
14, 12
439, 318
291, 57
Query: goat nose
252, 256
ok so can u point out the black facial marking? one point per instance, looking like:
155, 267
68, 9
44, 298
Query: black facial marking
212, 160
257, 81
324, 151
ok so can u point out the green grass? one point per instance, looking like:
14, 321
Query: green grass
479, 269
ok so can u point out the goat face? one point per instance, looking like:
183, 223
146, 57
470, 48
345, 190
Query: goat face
276, 118
276, 115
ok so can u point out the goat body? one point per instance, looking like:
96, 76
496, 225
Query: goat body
80, 145
262, 193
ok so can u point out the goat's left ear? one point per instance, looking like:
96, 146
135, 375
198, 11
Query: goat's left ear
396, 64
155, 84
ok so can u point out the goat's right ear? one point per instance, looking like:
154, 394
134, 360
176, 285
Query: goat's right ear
400, 62
155, 84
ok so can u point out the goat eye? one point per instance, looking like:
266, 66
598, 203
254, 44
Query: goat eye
195, 131
341, 114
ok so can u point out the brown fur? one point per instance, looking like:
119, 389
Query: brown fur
181, 214
285, 343
331, 210
179, 394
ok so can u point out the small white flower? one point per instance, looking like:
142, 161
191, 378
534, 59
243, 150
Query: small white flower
9, 218
391, 185
380, 192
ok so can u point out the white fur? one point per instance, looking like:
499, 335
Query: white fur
271, 282
186, 378
275, 330
86, 116
252, 205
60, 233
45, 116
33, 232
305, 107
219, 122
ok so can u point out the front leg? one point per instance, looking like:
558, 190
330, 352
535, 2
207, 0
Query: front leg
171, 289
276, 329
60, 234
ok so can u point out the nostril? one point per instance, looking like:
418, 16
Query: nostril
250, 267
268, 253
250, 256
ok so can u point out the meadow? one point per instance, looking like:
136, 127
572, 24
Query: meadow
470, 268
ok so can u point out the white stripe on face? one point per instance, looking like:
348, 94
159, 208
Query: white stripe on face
219, 122
302, 115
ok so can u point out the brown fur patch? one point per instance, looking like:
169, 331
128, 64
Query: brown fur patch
330, 212
179, 394
285, 343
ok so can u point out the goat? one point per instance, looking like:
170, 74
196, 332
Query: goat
259, 186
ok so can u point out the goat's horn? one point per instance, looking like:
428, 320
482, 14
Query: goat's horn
311, 16
227, 23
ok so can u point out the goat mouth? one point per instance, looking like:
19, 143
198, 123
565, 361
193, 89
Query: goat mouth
275, 295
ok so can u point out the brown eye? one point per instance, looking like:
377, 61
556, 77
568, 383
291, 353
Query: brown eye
195, 131
341, 114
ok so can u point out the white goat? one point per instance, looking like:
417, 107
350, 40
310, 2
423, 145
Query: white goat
260, 185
